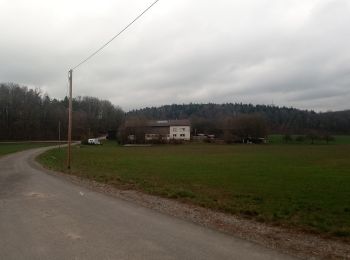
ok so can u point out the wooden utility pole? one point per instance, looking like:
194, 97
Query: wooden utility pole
59, 134
70, 78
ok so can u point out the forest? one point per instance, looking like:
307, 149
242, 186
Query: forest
27, 114
212, 118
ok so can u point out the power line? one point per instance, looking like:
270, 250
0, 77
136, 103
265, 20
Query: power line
114, 37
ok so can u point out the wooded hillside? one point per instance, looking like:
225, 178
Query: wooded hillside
27, 114
206, 117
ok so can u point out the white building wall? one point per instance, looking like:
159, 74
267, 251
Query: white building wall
180, 132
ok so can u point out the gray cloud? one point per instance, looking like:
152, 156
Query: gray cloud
292, 53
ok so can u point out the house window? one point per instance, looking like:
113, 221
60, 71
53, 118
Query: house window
182, 135
174, 135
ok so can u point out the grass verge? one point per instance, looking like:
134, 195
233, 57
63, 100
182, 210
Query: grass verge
7, 148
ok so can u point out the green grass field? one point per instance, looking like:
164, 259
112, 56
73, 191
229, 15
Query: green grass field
7, 148
303, 186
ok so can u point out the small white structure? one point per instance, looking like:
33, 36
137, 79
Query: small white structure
94, 141
131, 137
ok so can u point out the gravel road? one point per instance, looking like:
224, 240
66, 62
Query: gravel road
47, 217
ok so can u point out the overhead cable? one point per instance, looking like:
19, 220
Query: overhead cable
114, 37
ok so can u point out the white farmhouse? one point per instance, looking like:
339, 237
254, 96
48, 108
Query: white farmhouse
168, 129
180, 132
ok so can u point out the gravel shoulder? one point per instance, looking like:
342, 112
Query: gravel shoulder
290, 241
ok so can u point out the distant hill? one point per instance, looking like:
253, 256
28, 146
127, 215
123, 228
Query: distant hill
280, 119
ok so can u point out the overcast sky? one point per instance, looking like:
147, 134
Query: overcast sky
290, 52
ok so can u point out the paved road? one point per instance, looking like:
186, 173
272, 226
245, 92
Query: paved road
47, 217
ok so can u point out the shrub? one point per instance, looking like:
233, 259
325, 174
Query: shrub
287, 138
300, 138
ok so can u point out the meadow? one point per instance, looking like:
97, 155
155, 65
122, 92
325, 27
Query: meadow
301, 186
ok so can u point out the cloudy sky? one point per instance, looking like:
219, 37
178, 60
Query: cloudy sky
291, 52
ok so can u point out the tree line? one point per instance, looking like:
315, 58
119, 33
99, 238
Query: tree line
213, 118
27, 114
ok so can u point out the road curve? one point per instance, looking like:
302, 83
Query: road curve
46, 217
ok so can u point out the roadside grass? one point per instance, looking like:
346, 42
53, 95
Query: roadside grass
338, 139
301, 186
7, 148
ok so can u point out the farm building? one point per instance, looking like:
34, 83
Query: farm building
168, 129
161, 130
